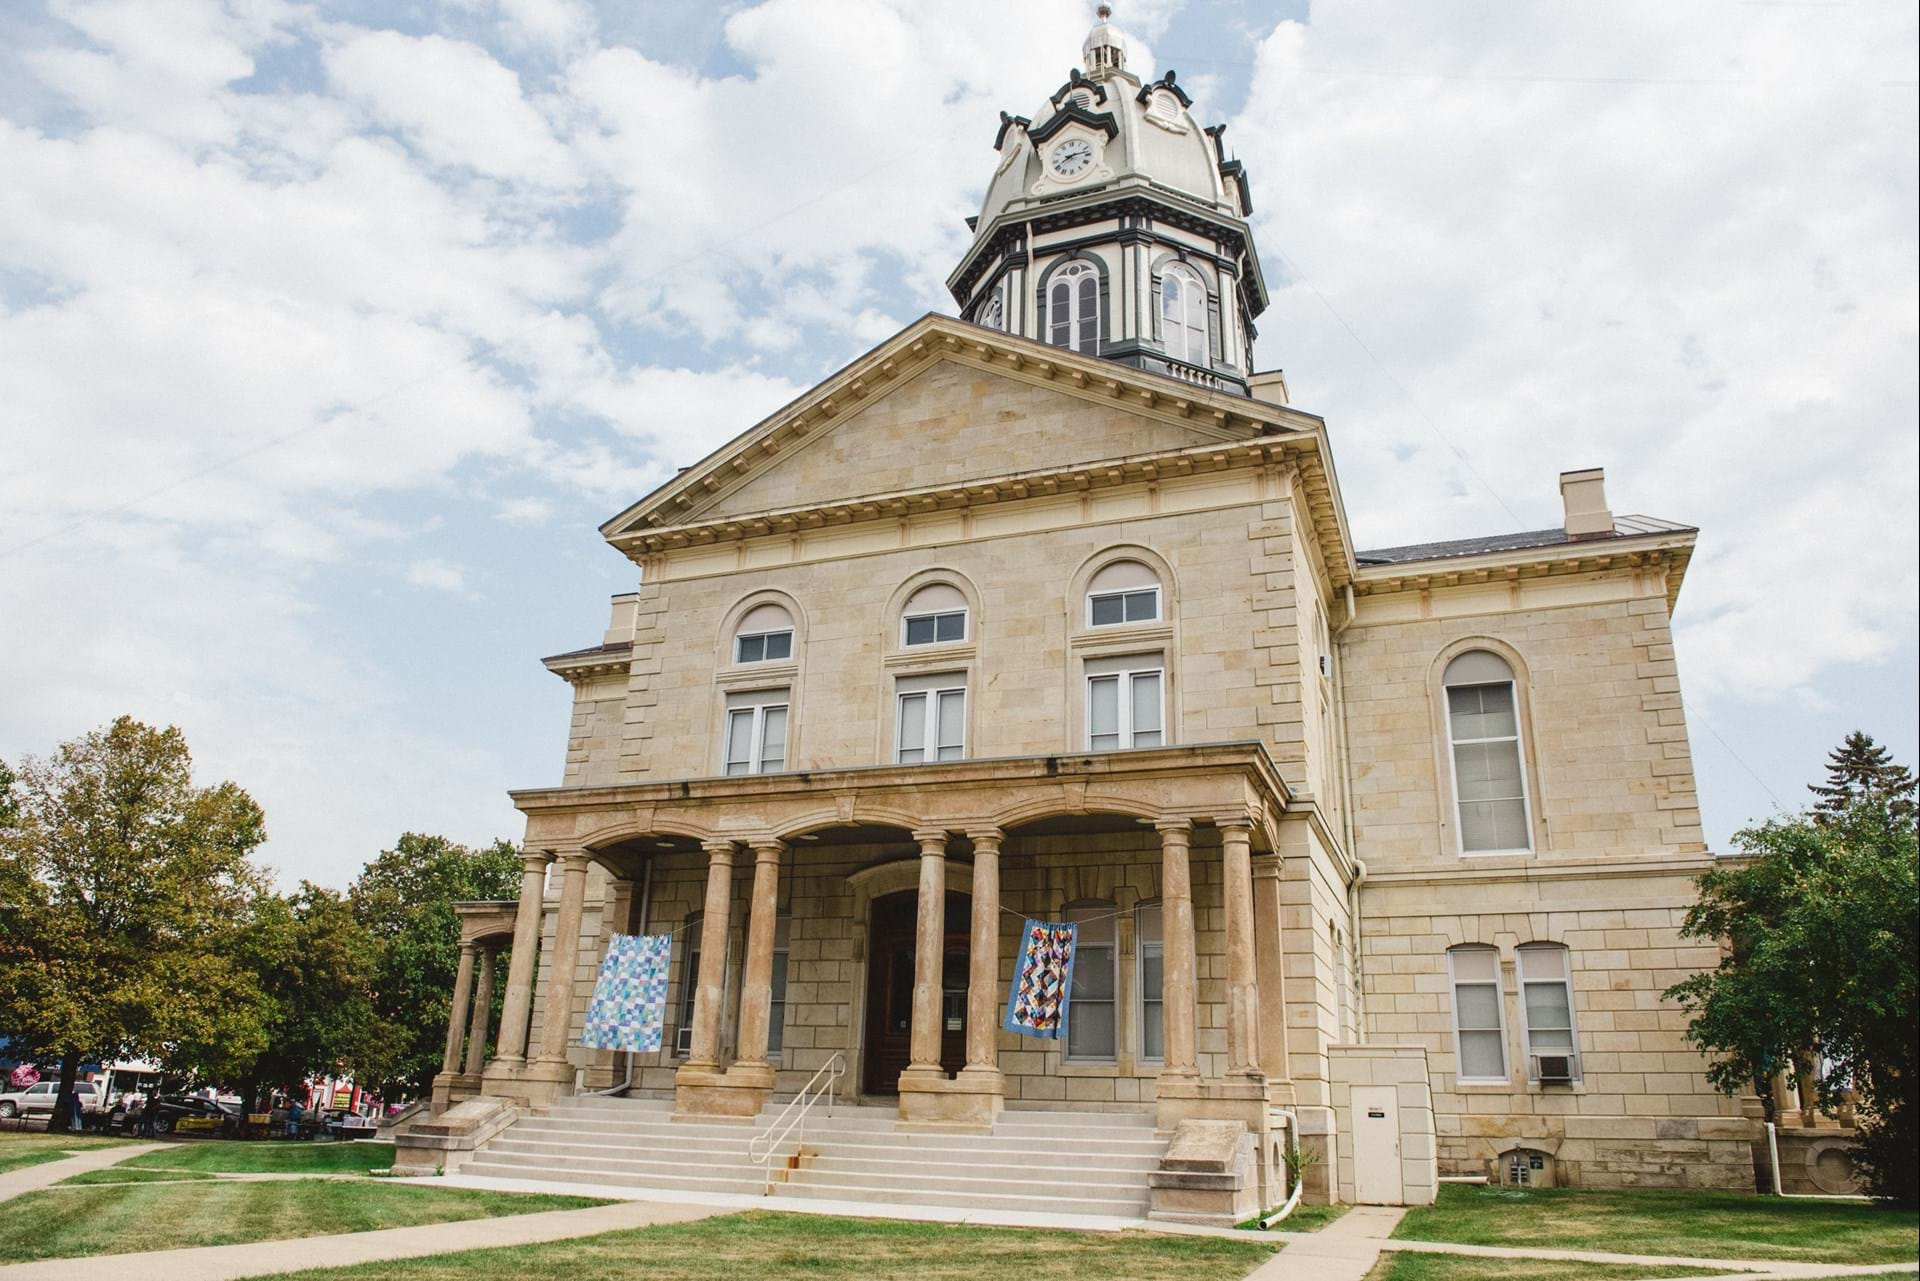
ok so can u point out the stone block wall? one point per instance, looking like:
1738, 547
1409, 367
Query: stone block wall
1643, 1114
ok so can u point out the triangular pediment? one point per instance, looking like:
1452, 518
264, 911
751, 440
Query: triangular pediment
946, 403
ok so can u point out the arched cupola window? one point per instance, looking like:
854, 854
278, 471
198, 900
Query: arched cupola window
1183, 314
1073, 308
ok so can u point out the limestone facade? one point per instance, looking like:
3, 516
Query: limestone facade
1299, 809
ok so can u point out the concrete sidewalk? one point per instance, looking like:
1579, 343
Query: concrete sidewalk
263, 1258
34, 1177
1344, 1250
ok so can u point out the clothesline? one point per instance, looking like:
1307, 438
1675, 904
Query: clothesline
677, 930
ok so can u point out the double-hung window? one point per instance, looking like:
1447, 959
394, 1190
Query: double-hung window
1096, 971
931, 723
689, 988
1126, 703
777, 1010
1489, 781
1480, 1038
1148, 944
756, 732
1546, 1001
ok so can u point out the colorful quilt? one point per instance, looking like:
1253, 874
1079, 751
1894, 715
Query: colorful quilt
630, 998
1042, 980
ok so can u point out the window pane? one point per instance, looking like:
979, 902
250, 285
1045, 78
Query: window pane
1538, 963
952, 727
1059, 315
1089, 1027
950, 627
912, 755
920, 631
1478, 829
740, 741
1093, 974
1153, 1044
1108, 610
1142, 605
773, 739
1106, 742
1146, 709
1476, 963
913, 726
1477, 1005
1482, 1057
752, 649
1089, 317
1510, 825
1496, 707
1103, 706
1547, 1006
780, 645
1147, 924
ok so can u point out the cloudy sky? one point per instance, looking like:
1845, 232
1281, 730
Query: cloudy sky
329, 331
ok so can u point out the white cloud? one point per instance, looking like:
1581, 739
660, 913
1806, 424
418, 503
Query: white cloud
524, 511
1678, 241
437, 574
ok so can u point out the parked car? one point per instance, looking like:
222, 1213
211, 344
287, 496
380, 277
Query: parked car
38, 1100
186, 1113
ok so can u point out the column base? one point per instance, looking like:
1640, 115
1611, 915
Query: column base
545, 1080
450, 1088
710, 1094
930, 1099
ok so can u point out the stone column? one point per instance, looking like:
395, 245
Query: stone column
756, 981
929, 953
1179, 1003
704, 1053
557, 1025
482, 1013
1270, 966
1806, 1083
1243, 991
457, 1020
1786, 1106
983, 962
526, 945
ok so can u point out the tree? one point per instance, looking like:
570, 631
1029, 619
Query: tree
405, 900
120, 886
1821, 967
9, 807
313, 965
1860, 769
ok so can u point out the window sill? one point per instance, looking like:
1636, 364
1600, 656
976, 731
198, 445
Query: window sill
1119, 638
931, 658
757, 676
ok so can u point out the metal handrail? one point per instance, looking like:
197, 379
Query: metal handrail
763, 1147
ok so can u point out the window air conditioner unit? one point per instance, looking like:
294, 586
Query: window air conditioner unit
1559, 1068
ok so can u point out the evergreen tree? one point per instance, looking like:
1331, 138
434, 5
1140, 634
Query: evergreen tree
1861, 769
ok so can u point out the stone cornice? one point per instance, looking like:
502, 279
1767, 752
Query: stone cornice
585, 664
1667, 552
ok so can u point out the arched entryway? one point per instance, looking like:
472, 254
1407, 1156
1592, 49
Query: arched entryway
889, 1004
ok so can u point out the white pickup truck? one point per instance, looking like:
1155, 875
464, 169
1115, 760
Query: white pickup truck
37, 1100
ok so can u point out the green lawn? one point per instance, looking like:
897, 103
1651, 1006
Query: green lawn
1717, 1225
1464, 1267
121, 1174
228, 1156
21, 1148
788, 1247
67, 1223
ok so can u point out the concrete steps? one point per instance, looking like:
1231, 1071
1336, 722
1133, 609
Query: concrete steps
1089, 1163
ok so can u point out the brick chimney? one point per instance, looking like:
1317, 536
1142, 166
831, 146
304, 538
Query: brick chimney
1584, 493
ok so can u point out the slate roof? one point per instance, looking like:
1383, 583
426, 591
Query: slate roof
1623, 527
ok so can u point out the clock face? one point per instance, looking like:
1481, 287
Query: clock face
1072, 158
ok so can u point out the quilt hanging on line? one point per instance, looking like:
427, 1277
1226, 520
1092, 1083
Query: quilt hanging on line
630, 998
1042, 980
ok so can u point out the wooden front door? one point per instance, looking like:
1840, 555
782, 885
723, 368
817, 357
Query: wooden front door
890, 949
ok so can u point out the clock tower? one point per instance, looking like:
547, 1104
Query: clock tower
1116, 226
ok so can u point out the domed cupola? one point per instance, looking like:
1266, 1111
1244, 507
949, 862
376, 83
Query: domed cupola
1115, 225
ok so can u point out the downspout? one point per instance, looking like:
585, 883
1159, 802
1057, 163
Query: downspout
646, 902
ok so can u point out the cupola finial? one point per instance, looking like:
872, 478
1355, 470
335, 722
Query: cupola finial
1104, 52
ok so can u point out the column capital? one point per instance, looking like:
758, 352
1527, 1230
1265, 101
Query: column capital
987, 838
1168, 824
718, 849
572, 858
1266, 865
535, 860
1235, 822
933, 840
469, 947
767, 849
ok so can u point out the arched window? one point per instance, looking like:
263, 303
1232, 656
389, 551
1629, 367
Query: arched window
1148, 944
1126, 591
1546, 1010
934, 615
1479, 1028
1483, 730
993, 312
1073, 308
1096, 981
1183, 314
765, 634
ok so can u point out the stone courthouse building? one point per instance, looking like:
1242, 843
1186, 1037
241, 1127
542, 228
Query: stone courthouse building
1053, 611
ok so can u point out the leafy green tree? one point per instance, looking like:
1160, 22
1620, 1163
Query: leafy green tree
1861, 769
9, 808
404, 899
120, 886
313, 964
1821, 966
